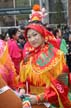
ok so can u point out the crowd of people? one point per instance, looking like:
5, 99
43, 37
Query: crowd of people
33, 62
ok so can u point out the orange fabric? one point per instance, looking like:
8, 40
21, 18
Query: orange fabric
7, 70
42, 62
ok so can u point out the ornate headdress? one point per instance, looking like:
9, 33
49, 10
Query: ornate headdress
36, 13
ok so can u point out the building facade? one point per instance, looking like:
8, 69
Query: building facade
50, 5
5, 19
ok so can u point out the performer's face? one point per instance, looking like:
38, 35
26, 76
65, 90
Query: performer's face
35, 38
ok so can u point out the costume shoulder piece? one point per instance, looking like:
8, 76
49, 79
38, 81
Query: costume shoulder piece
41, 64
45, 57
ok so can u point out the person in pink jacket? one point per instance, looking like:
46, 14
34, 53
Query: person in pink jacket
14, 50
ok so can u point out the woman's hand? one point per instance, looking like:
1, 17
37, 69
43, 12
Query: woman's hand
33, 99
21, 92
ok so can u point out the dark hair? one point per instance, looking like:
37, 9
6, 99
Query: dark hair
55, 32
21, 37
22, 27
1, 36
12, 31
49, 29
58, 26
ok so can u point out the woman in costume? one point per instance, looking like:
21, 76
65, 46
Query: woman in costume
61, 42
14, 50
42, 63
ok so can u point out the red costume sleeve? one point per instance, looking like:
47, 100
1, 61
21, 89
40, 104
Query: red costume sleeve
51, 96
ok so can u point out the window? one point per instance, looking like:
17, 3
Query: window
21, 3
57, 11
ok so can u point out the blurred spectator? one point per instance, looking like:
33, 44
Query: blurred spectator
21, 41
69, 51
21, 29
14, 50
60, 41
49, 29
66, 32
58, 26
5, 36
